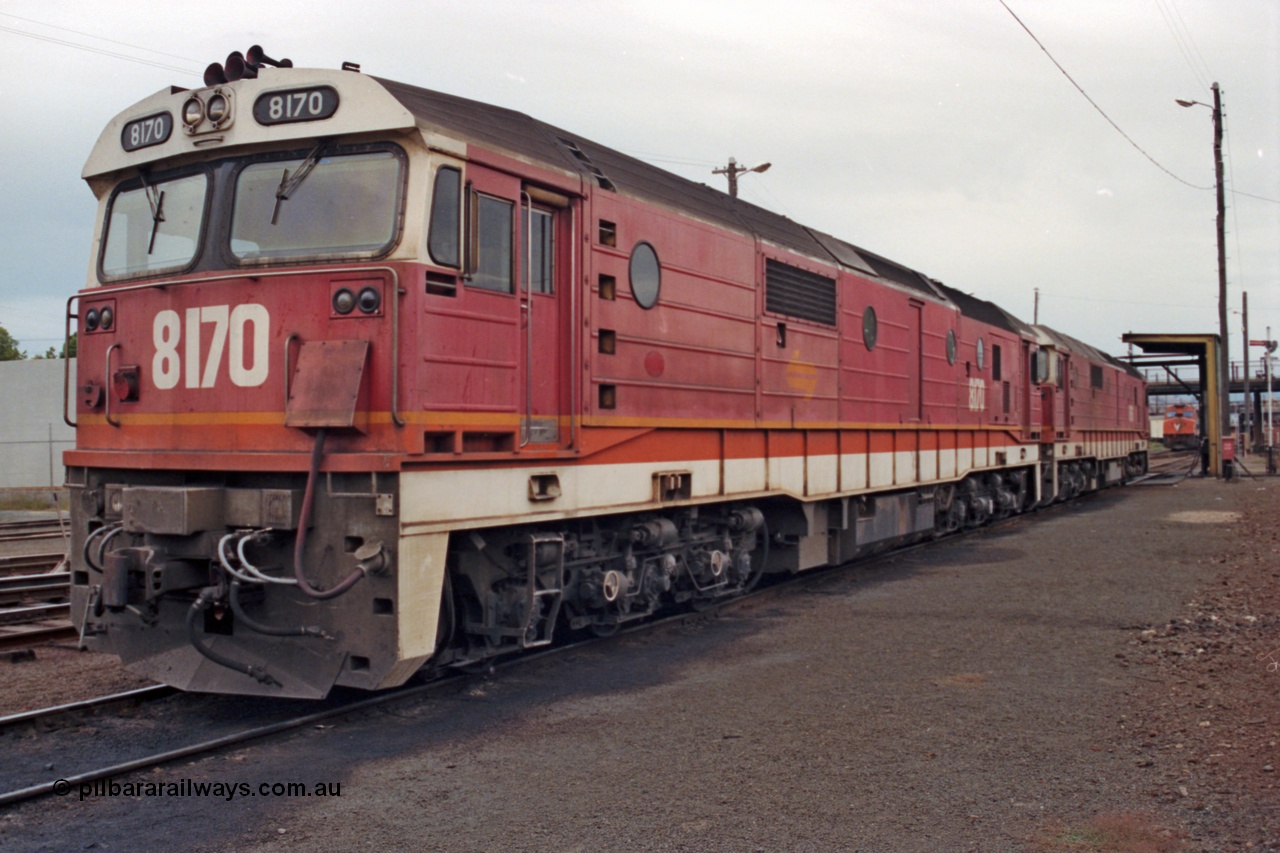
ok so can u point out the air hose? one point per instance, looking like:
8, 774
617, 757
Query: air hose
304, 521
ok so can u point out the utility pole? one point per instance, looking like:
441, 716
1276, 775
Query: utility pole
1223, 372
1246, 416
1224, 389
733, 170
1035, 316
1271, 459
1270, 396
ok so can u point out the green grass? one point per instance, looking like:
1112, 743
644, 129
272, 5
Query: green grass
33, 500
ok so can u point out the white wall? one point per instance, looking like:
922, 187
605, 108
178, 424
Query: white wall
32, 432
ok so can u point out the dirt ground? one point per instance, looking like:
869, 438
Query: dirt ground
1103, 677
1208, 721
58, 675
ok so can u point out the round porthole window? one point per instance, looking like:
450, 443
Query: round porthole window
951, 346
646, 275
982, 355
869, 327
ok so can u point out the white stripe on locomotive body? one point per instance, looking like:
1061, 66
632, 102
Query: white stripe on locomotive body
441, 500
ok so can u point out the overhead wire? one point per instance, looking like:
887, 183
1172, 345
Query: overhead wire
1182, 43
1094, 103
97, 37
1235, 218
663, 158
1190, 40
100, 51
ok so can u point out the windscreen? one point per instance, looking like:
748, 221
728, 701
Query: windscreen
155, 227
318, 205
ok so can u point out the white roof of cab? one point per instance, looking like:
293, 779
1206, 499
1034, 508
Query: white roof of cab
364, 105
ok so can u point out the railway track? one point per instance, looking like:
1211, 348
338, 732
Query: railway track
33, 594
336, 707
45, 717
31, 529
33, 625
19, 589
15, 638
30, 564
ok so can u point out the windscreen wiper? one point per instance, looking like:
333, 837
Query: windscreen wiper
288, 184
155, 198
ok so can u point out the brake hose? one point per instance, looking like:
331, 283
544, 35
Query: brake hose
202, 602
270, 630
304, 521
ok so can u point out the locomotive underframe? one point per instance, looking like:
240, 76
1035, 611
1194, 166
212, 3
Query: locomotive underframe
148, 583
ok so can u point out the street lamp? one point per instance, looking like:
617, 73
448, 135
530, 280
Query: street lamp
1224, 390
733, 170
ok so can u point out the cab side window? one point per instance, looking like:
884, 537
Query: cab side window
445, 223
492, 270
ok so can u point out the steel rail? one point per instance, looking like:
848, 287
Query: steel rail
17, 588
27, 636
34, 613
140, 694
29, 564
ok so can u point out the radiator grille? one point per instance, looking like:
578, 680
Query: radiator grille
799, 293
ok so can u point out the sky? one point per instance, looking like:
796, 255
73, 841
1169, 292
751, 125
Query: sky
939, 134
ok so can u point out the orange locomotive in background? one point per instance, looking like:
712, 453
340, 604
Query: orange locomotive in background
1181, 427
374, 378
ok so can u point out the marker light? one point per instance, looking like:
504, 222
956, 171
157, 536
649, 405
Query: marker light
370, 300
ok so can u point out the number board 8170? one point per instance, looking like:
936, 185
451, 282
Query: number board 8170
290, 105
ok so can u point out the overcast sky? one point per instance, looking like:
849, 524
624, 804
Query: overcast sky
938, 134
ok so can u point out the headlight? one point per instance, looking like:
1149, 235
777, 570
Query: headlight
343, 301
192, 112
91, 319
218, 109
107, 318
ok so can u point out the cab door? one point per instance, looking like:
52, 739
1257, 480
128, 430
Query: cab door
545, 266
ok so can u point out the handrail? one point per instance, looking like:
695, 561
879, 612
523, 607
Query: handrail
66, 361
106, 392
527, 304
293, 336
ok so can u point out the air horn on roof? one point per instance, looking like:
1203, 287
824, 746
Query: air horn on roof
241, 66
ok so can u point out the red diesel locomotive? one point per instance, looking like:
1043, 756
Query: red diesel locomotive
373, 378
